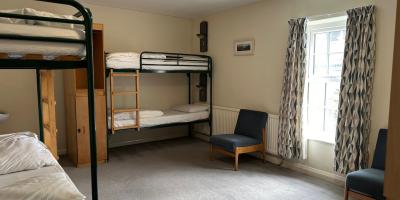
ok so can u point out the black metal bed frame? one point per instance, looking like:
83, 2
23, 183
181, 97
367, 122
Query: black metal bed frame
86, 63
178, 57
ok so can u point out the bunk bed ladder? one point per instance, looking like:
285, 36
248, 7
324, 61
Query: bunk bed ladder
114, 93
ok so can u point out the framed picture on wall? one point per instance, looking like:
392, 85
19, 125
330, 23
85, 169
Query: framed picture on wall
244, 47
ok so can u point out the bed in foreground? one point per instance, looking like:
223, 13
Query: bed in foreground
29, 171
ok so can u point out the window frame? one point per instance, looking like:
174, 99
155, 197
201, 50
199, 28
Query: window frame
327, 25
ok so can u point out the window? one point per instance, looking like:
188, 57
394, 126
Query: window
324, 67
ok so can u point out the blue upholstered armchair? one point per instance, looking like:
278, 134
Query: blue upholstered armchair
367, 184
249, 136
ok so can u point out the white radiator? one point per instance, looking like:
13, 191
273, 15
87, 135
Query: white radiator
224, 121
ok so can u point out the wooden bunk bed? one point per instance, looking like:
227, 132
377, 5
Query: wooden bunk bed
160, 62
45, 51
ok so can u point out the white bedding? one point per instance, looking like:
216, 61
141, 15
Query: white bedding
9, 179
19, 48
44, 183
169, 117
142, 114
33, 172
131, 60
23, 151
160, 65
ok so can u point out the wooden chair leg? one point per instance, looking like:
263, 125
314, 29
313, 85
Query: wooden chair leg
236, 161
346, 193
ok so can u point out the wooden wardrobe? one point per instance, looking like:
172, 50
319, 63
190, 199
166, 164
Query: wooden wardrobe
392, 171
76, 105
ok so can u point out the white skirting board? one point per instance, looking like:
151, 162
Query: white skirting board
305, 169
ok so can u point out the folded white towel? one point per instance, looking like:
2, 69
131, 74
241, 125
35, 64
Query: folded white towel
122, 64
123, 60
142, 114
122, 55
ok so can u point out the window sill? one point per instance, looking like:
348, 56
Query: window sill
321, 139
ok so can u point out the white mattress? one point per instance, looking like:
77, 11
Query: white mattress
164, 68
43, 183
32, 181
20, 48
160, 65
9, 179
169, 117
201, 64
173, 68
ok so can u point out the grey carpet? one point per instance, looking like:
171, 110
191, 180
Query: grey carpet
181, 169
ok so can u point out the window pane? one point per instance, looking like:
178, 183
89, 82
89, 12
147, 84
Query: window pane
337, 40
330, 121
335, 64
317, 94
316, 120
321, 43
332, 95
321, 65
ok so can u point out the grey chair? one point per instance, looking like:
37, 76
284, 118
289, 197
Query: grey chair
367, 184
249, 136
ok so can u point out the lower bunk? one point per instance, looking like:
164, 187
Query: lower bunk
29, 171
184, 114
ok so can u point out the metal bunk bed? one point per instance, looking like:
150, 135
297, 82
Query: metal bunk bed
182, 63
42, 64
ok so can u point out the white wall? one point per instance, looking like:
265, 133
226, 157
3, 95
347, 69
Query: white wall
255, 81
125, 30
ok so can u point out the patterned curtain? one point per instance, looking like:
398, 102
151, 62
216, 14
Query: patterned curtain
290, 138
352, 136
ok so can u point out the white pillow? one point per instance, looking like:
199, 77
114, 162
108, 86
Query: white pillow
55, 186
191, 108
23, 151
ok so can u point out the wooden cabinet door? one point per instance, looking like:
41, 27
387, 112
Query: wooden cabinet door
49, 111
83, 132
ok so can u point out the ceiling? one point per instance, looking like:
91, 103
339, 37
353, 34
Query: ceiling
178, 8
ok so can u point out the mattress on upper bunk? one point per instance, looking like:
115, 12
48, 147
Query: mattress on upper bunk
156, 62
37, 28
19, 48
169, 117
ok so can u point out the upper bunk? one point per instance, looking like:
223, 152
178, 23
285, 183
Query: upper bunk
32, 39
159, 62
42, 40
